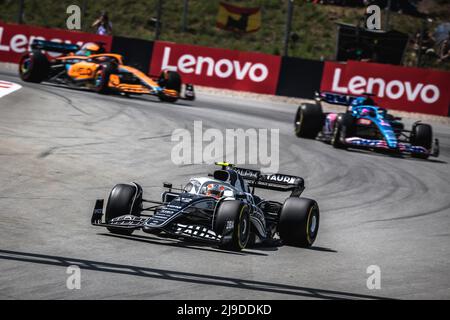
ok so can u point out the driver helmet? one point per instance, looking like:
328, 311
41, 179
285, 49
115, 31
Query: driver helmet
215, 190
365, 112
88, 49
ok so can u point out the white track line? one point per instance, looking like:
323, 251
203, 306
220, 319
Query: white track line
7, 87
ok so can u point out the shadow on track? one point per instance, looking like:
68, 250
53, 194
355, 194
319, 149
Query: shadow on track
132, 97
201, 246
185, 277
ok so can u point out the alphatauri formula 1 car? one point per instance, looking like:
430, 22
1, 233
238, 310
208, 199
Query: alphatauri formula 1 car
221, 208
363, 125
91, 67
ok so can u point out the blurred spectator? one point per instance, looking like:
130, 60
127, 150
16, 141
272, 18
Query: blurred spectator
444, 49
424, 42
103, 25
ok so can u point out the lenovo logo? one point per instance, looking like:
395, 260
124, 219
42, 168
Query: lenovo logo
223, 68
215, 67
15, 40
394, 89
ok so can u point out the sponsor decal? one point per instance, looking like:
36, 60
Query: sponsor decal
15, 40
394, 87
221, 68
281, 178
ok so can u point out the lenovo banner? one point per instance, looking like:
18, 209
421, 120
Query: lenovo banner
394, 87
15, 39
220, 68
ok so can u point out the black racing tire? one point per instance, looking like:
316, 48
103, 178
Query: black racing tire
309, 120
342, 129
299, 222
123, 199
34, 67
336, 138
170, 80
422, 135
238, 212
101, 78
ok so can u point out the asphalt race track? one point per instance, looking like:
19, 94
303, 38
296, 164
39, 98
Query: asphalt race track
60, 149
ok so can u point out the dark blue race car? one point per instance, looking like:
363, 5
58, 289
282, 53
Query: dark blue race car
363, 125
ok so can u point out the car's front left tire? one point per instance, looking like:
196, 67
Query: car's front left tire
101, 78
232, 221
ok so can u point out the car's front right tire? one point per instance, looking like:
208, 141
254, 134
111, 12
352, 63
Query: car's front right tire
123, 199
309, 120
422, 136
299, 222
170, 80
34, 67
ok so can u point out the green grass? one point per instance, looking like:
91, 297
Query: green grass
315, 24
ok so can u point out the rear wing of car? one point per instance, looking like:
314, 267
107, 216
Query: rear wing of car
53, 46
276, 181
335, 98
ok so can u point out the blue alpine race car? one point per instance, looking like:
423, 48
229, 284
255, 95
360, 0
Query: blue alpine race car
363, 125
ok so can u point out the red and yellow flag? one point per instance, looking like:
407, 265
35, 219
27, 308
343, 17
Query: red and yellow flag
238, 19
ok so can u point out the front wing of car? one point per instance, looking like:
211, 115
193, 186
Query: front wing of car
155, 222
381, 144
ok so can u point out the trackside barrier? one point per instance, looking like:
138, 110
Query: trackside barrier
299, 77
219, 68
136, 52
15, 39
395, 87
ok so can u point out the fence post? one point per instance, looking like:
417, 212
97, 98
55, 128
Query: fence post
388, 15
288, 26
185, 15
83, 13
158, 20
21, 11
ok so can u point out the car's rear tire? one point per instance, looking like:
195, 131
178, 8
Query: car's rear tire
309, 120
299, 222
422, 136
232, 221
123, 199
170, 80
34, 67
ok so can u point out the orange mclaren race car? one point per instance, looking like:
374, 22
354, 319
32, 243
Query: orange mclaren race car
91, 67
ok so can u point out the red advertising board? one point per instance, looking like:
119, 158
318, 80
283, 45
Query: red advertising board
15, 39
220, 68
395, 87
